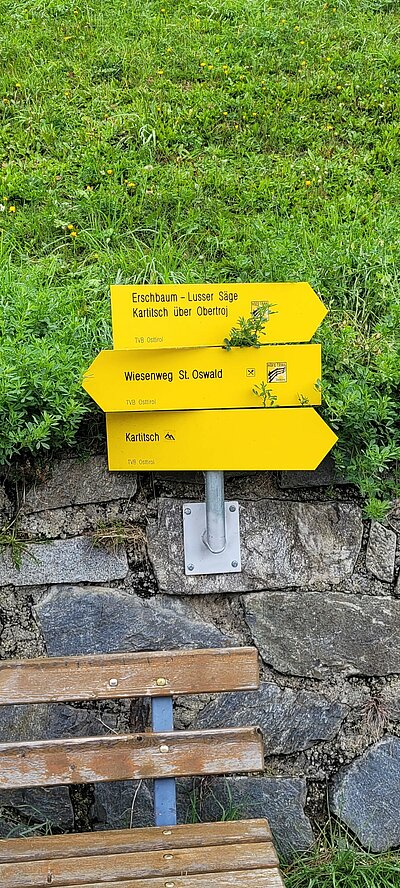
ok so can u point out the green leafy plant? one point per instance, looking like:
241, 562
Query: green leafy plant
267, 396
247, 333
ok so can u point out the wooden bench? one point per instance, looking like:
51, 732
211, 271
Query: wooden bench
201, 855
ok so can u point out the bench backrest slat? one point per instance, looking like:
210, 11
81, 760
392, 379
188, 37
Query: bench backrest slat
110, 676
130, 756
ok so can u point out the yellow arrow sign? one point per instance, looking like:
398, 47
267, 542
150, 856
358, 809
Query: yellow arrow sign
205, 378
213, 440
187, 315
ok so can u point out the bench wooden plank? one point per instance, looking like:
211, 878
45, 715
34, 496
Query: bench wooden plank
154, 838
130, 756
141, 865
109, 676
260, 878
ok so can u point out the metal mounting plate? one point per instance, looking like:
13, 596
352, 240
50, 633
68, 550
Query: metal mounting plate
196, 552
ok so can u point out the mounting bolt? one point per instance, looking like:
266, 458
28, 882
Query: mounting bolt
169, 884
113, 682
161, 682
232, 508
234, 563
167, 832
188, 511
168, 856
190, 567
164, 748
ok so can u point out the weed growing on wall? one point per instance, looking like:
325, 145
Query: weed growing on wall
248, 331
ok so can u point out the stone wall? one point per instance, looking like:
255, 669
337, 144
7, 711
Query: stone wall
102, 570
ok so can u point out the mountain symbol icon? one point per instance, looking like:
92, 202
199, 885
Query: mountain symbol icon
169, 437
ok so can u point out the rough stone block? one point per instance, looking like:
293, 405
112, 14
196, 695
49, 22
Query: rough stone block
36, 810
77, 520
291, 721
75, 482
62, 561
314, 634
284, 544
281, 800
381, 552
326, 475
365, 796
6, 508
80, 620
46, 722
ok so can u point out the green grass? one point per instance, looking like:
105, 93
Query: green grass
200, 141
338, 863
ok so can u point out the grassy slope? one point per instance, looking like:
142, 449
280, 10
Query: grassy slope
226, 140
337, 862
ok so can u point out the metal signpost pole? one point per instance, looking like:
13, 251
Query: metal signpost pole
215, 533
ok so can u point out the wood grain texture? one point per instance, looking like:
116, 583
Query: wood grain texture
155, 838
243, 879
45, 679
141, 865
130, 756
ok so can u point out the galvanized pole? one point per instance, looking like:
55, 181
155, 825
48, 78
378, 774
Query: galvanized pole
215, 532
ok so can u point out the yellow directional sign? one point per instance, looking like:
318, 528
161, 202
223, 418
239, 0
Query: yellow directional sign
186, 315
205, 378
214, 440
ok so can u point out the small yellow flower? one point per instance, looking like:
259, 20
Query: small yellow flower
131, 184
89, 187
162, 9
217, 50
296, 28
328, 59
161, 71
70, 227
236, 126
304, 63
17, 85
329, 127
5, 101
203, 64
11, 209
308, 182
225, 113
169, 49
109, 172
210, 67
338, 87
302, 42
68, 38
73, 233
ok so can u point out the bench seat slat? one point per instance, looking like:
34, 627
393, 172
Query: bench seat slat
142, 865
131, 756
56, 679
259, 878
118, 841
